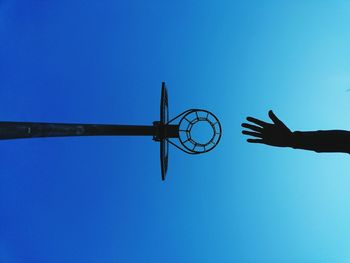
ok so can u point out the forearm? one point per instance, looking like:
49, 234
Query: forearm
322, 141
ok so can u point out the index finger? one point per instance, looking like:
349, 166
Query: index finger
258, 122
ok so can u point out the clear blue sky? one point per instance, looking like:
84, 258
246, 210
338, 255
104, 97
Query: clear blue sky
102, 199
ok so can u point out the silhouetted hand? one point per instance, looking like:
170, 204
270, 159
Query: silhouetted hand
275, 134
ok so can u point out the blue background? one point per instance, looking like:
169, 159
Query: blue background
102, 199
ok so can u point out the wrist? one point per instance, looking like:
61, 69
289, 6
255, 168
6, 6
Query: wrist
292, 141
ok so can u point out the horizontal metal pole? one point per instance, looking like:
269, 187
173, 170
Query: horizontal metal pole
16, 130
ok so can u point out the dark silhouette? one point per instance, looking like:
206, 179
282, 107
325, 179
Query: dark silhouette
162, 130
278, 134
17, 130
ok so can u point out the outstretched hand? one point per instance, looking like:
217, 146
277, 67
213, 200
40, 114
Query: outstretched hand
275, 134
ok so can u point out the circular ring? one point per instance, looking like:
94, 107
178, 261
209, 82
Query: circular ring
189, 120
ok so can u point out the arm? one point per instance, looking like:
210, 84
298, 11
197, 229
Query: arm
278, 134
322, 141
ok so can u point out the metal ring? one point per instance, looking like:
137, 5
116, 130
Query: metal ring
192, 117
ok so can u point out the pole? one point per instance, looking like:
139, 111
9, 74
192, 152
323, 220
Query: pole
17, 130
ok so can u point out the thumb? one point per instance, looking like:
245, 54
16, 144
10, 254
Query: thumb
274, 118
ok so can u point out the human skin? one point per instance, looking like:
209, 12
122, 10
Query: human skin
279, 135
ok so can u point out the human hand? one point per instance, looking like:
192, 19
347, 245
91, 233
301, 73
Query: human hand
274, 134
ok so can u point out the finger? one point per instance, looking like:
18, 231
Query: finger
255, 134
258, 122
274, 118
255, 140
252, 127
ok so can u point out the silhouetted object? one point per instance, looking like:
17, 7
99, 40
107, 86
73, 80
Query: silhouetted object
162, 131
278, 134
